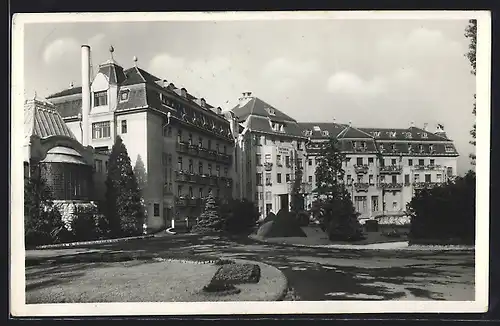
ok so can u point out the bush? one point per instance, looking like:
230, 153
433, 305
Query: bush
240, 216
445, 212
237, 273
210, 220
285, 224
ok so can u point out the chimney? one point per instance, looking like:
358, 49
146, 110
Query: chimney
71, 85
165, 83
244, 98
85, 94
412, 124
334, 120
425, 127
219, 110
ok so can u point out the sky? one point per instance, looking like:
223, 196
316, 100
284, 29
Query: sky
372, 73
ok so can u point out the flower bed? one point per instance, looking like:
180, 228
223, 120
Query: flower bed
237, 274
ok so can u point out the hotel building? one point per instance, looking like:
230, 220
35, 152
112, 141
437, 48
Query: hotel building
187, 146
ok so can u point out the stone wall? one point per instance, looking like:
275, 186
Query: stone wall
61, 178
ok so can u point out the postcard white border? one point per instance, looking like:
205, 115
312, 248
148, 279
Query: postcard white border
17, 263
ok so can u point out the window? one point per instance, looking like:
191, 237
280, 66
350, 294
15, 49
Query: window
179, 136
393, 147
100, 98
370, 160
257, 140
225, 172
449, 171
278, 160
124, 95
299, 163
394, 179
310, 162
410, 162
359, 161
287, 177
179, 163
382, 178
124, 126
360, 203
259, 179
407, 179
190, 166
209, 145
349, 179
209, 169
190, 139
200, 142
200, 193
190, 192
427, 178
449, 149
409, 147
360, 178
308, 133
256, 196
217, 148
268, 178
421, 148
268, 195
225, 149
278, 178
432, 162
98, 166
101, 130
268, 158
416, 177
439, 177
421, 162
167, 132
394, 205
156, 209
431, 148
370, 179
200, 168
217, 170
324, 133
310, 179
287, 161
106, 166
393, 161
261, 195
258, 159
179, 191
374, 203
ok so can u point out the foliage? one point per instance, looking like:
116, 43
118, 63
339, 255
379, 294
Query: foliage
303, 218
42, 221
446, 212
125, 215
333, 205
471, 34
142, 180
210, 220
297, 202
85, 224
240, 216
237, 273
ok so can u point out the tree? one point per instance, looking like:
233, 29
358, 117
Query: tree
471, 34
297, 198
240, 216
42, 221
338, 216
125, 213
142, 180
210, 220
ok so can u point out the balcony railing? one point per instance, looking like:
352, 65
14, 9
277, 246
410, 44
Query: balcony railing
391, 186
425, 185
203, 179
268, 166
198, 151
429, 167
360, 186
361, 169
391, 169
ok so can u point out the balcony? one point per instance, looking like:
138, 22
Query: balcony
390, 186
361, 169
288, 165
269, 183
279, 164
268, 166
209, 154
182, 201
430, 167
425, 185
224, 158
193, 149
361, 186
391, 169
182, 147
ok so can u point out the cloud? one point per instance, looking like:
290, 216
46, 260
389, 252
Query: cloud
60, 49
97, 40
214, 79
283, 73
349, 83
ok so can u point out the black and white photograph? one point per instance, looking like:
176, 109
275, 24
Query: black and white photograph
250, 163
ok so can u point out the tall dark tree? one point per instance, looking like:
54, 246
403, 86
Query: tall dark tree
125, 213
338, 216
142, 179
471, 34
210, 220
297, 198
42, 221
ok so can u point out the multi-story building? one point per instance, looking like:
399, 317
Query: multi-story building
272, 147
383, 167
186, 145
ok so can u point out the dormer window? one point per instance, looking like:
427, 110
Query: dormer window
424, 135
421, 148
325, 133
183, 92
392, 134
363, 145
408, 135
376, 134
316, 128
100, 98
203, 103
382, 147
431, 148
308, 133
393, 147
271, 111
354, 144
124, 94
409, 147
449, 149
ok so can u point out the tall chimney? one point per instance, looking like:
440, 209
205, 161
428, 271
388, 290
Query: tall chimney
85, 94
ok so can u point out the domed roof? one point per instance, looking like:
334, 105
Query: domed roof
61, 154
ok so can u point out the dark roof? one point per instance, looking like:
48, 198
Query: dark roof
136, 75
67, 92
257, 107
352, 132
413, 133
41, 119
262, 124
69, 107
113, 71
317, 128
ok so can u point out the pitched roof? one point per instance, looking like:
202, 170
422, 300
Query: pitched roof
42, 120
136, 75
257, 107
262, 124
67, 92
316, 129
413, 133
113, 71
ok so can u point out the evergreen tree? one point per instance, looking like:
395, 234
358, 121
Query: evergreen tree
338, 216
42, 221
297, 198
210, 220
471, 34
142, 180
125, 213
